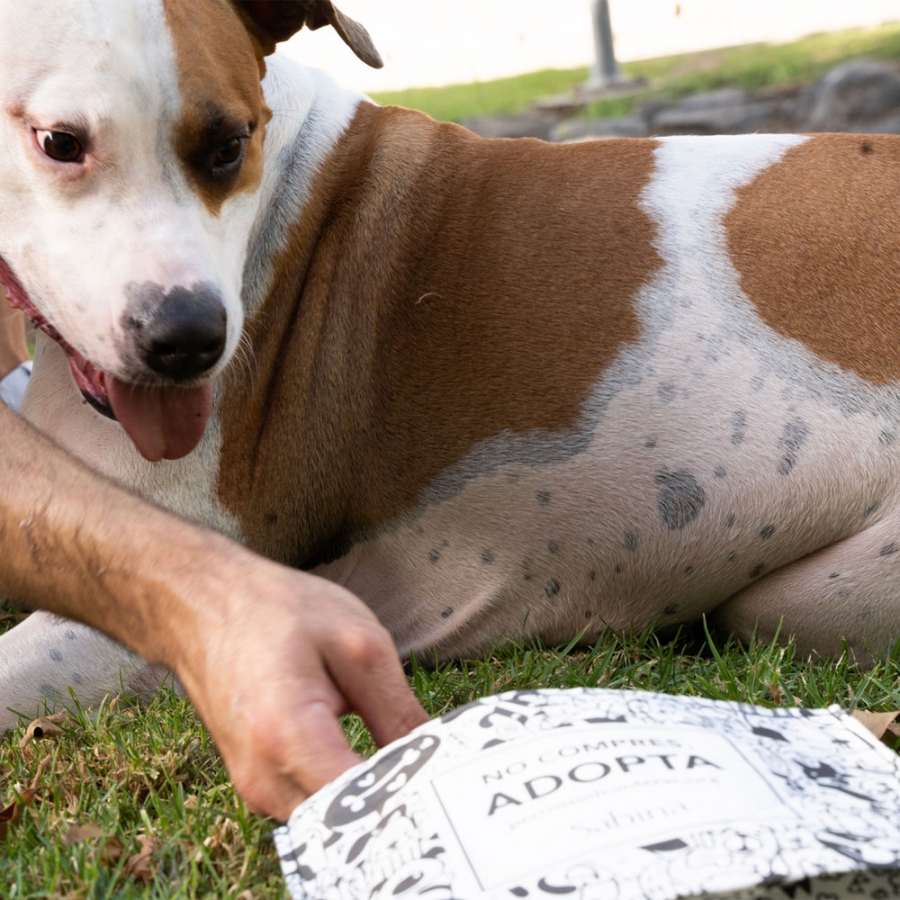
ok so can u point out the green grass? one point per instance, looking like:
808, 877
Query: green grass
155, 772
752, 67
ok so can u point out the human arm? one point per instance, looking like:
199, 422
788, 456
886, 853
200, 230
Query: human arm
270, 656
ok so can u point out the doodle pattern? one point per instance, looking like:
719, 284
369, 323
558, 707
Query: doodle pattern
385, 829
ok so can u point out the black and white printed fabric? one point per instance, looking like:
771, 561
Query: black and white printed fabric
593, 794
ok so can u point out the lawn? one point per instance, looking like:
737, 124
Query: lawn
753, 67
152, 780
153, 812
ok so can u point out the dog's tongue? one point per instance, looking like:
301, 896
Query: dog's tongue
163, 422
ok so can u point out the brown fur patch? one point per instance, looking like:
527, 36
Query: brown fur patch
816, 240
219, 71
439, 290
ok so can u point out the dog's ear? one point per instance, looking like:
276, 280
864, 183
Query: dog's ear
276, 20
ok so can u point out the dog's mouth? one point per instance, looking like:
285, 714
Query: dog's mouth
164, 421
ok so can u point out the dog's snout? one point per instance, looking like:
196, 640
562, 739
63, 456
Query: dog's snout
181, 333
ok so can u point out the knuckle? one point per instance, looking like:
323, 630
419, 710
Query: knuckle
364, 643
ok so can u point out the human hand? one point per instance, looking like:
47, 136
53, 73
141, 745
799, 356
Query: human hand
274, 667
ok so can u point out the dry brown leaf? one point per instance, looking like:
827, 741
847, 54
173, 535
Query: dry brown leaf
883, 725
139, 866
11, 814
43, 727
108, 852
87, 832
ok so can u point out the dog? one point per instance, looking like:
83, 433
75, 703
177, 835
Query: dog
499, 389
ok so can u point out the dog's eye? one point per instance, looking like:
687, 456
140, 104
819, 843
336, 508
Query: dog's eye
229, 153
60, 145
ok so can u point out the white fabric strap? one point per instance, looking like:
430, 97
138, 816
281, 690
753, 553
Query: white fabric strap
12, 387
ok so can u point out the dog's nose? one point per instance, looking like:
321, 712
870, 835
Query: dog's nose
181, 333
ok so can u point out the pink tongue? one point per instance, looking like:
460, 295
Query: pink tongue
163, 422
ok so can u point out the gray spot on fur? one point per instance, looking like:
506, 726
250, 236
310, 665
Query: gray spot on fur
871, 508
757, 570
76, 677
630, 541
730, 520
55, 655
543, 497
671, 609
886, 438
487, 557
49, 693
553, 547
666, 391
434, 556
889, 549
70, 635
738, 427
553, 587
720, 471
792, 439
447, 613
680, 498
650, 443
767, 531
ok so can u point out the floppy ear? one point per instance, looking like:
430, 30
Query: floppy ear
276, 20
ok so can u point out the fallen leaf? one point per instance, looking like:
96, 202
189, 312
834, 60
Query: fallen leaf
11, 814
43, 727
110, 851
883, 725
139, 866
87, 832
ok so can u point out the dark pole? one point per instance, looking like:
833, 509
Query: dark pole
605, 71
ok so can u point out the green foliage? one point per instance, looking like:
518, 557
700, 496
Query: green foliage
754, 67
155, 773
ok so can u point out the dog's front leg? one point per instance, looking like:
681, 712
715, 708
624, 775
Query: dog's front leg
45, 655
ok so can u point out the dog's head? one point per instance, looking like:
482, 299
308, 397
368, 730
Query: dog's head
131, 154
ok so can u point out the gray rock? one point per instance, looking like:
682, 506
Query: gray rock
581, 129
536, 124
737, 119
724, 97
855, 96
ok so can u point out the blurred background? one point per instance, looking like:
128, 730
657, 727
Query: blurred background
522, 67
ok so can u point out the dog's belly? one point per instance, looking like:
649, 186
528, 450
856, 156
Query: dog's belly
685, 493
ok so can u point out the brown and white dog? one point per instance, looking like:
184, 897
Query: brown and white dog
499, 389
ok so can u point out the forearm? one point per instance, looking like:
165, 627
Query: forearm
77, 545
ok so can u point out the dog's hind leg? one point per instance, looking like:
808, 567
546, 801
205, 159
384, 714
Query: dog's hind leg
44, 656
848, 590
